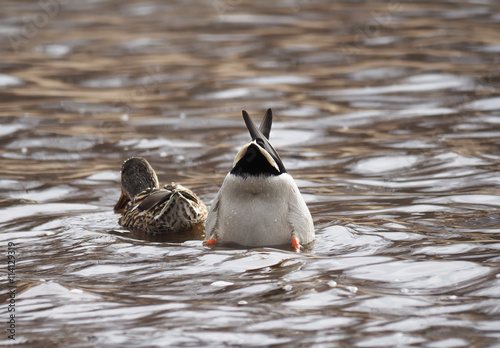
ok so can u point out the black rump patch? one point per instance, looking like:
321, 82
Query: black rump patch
254, 163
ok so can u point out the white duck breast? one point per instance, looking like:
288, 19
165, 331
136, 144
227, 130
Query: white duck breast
259, 204
259, 211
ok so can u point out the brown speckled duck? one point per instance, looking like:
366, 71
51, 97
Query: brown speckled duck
145, 206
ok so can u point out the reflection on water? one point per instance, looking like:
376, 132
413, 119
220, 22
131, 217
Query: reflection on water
387, 116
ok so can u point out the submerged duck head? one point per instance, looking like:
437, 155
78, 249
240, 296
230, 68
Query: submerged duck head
137, 176
258, 157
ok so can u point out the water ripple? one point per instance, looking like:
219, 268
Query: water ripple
385, 113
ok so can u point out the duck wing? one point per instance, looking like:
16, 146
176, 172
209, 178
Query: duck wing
213, 216
153, 199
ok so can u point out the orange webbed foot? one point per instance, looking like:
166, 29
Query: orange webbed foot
209, 242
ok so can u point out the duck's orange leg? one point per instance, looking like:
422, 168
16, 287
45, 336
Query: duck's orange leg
296, 244
209, 242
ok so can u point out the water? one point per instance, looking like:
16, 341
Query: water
387, 114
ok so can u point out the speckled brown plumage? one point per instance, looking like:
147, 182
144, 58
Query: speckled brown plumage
172, 208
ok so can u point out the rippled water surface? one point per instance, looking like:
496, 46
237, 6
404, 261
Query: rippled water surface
387, 113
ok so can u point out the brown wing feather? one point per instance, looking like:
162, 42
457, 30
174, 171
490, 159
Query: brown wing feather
154, 199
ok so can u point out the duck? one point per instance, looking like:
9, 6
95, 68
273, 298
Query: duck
147, 207
259, 203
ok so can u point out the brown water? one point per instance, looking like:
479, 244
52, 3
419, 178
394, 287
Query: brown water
387, 115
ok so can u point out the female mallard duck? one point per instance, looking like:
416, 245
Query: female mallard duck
145, 206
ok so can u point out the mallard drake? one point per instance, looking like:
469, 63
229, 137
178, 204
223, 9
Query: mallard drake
145, 206
259, 203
